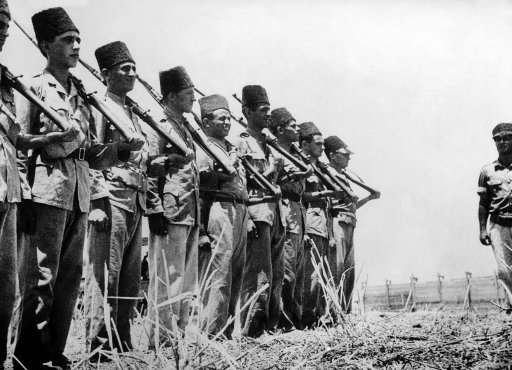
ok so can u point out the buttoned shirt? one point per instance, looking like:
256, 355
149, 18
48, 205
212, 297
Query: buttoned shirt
125, 184
293, 209
316, 212
10, 184
57, 176
178, 194
344, 209
495, 188
258, 154
236, 187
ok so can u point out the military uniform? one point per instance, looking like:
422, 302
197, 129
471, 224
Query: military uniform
173, 261
119, 247
295, 216
52, 264
265, 247
225, 217
10, 196
494, 189
343, 225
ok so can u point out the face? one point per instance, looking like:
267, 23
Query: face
183, 100
220, 124
64, 50
315, 147
260, 117
121, 78
4, 27
290, 131
503, 141
340, 159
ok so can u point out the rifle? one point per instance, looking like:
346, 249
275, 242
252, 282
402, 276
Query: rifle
15, 82
97, 103
255, 175
359, 183
144, 115
272, 141
195, 131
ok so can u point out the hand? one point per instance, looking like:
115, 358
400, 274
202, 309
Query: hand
252, 231
332, 243
175, 162
278, 164
136, 143
158, 224
27, 220
157, 166
485, 238
101, 214
204, 241
67, 135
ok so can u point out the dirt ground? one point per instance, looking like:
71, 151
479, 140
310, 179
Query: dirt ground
438, 338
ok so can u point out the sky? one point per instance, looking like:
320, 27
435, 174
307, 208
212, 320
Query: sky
414, 88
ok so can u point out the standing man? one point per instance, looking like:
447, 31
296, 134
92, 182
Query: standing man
316, 200
266, 228
285, 128
224, 199
174, 214
52, 262
343, 212
495, 207
118, 202
13, 190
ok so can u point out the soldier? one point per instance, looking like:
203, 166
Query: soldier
344, 213
174, 214
224, 199
13, 190
118, 201
316, 199
52, 264
495, 207
285, 128
266, 227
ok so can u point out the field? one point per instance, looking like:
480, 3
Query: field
438, 337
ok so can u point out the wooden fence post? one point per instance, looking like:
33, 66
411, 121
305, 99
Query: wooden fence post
440, 286
388, 298
467, 296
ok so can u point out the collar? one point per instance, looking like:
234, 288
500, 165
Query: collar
173, 114
53, 83
116, 98
500, 166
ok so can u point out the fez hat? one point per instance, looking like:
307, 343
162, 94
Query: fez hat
174, 80
211, 103
52, 22
113, 54
335, 144
280, 117
307, 129
254, 95
4, 8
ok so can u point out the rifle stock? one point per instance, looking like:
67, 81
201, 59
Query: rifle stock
195, 131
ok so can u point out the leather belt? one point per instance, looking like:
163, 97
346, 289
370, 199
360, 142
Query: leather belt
291, 196
503, 221
78, 154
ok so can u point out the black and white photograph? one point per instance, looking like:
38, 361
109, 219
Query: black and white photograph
264, 184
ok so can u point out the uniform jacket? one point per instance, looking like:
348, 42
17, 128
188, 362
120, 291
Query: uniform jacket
58, 177
125, 184
259, 155
176, 196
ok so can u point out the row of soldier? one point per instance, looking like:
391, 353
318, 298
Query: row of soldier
94, 181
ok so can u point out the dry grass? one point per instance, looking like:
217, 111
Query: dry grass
437, 338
